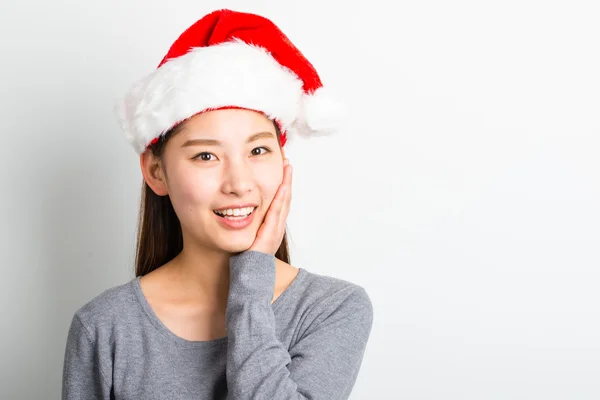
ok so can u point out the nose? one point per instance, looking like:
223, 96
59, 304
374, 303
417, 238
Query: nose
237, 178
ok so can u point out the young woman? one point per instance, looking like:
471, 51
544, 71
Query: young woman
216, 310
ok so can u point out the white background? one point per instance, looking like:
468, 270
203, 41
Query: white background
463, 192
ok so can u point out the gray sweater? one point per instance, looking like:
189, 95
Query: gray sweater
308, 344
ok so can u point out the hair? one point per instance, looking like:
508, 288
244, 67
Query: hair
159, 235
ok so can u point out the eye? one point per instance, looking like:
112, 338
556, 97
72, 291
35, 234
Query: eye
258, 153
204, 156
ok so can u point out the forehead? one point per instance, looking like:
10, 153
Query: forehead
226, 124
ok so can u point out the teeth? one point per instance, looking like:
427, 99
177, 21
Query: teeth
236, 212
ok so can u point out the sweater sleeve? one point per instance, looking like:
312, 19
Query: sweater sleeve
82, 375
322, 364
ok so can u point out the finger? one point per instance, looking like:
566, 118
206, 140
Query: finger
273, 225
274, 211
286, 188
285, 208
277, 204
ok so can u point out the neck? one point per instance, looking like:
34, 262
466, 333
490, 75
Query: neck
203, 273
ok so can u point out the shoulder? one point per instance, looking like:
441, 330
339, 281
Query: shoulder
331, 287
331, 296
329, 310
106, 308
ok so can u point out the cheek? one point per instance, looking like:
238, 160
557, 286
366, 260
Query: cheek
270, 179
190, 192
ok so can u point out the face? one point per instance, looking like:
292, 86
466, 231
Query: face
220, 161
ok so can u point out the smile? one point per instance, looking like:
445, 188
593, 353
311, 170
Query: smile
235, 218
235, 213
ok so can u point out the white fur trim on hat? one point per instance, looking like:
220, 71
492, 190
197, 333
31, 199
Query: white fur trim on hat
320, 113
228, 74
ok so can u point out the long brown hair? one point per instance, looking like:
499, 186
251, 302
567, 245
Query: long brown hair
159, 236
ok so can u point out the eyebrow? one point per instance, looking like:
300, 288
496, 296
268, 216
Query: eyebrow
213, 142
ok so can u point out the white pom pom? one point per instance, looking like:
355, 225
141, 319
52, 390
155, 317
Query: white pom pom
320, 113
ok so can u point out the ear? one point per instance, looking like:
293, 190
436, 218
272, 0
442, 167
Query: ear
153, 172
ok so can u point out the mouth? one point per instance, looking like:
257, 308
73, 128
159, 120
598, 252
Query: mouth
235, 214
235, 218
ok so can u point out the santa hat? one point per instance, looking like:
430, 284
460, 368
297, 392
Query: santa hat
229, 59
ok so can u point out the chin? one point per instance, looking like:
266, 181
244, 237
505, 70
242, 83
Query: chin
235, 244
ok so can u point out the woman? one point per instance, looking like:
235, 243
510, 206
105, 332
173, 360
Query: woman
215, 310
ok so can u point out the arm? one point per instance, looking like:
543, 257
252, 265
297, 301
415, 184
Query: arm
82, 375
325, 361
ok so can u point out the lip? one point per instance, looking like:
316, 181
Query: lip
237, 223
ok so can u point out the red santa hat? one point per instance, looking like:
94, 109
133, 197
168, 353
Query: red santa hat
229, 59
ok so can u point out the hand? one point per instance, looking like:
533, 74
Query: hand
270, 234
